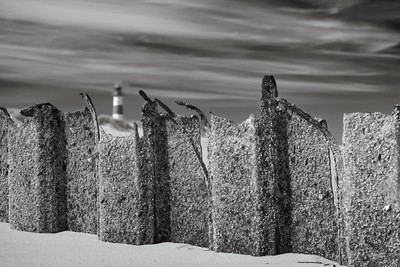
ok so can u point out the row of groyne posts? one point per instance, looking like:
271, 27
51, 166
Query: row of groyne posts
273, 185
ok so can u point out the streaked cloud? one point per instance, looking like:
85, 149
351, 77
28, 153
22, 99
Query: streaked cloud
213, 53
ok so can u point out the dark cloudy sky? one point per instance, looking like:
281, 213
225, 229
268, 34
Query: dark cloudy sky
328, 57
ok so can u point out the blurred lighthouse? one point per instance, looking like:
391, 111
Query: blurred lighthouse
118, 111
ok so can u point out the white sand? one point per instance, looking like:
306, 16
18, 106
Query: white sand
77, 249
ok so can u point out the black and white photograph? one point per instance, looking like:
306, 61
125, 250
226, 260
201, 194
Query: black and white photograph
200, 133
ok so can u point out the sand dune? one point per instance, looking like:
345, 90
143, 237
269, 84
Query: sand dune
78, 249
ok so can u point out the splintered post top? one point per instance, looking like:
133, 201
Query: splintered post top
5, 112
268, 87
145, 97
396, 111
31, 111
